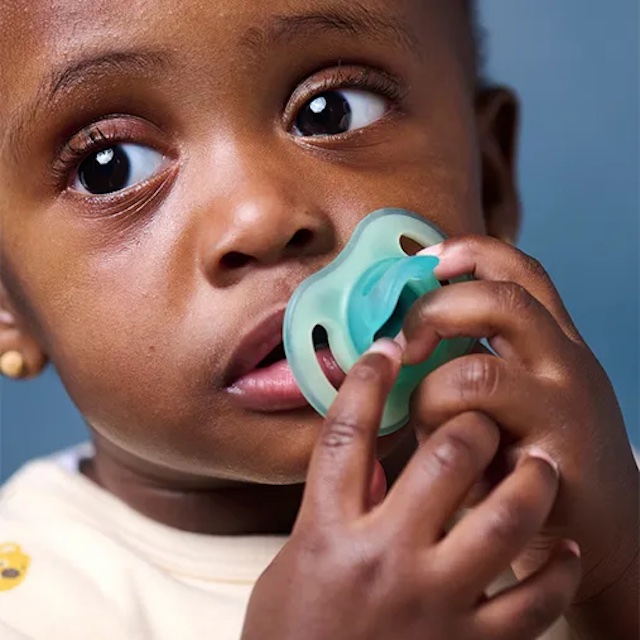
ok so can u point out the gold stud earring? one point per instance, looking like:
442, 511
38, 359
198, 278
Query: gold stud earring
12, 364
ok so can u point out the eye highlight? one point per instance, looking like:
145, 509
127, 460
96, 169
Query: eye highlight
110, 156
116, 168
336, 112
339, 100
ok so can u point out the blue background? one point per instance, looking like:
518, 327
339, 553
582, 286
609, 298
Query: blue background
575, 66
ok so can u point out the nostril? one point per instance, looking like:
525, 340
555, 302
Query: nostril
300, 239
235, 260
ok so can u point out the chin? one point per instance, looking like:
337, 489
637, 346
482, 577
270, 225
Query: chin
282, 455
235, 447
252, 447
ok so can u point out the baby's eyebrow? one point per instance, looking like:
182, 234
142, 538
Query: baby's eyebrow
351, 18
60, 80
131, 61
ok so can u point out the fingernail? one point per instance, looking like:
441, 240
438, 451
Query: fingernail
387, 347
401, 340
433, 250
537, 452
573, 547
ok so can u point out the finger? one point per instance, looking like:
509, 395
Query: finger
516, 325
532, 606
507, 393
341, 467
486, 258
439, 476
377, 485
483, 544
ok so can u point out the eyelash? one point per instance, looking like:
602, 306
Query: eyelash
362, 78
110, 130
366, 79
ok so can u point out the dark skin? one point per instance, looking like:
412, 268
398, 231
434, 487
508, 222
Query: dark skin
417, 583
134, 298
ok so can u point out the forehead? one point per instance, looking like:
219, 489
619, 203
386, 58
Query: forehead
56, 18
55, 31
53, 43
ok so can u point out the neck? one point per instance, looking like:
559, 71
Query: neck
217, 508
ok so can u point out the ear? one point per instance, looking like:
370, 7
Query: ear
497, 114
20, 354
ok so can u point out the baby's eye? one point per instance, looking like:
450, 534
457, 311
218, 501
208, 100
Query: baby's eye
116, 168
335, 112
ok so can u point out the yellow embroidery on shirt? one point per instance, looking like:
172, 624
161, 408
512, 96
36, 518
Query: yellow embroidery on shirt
13, 566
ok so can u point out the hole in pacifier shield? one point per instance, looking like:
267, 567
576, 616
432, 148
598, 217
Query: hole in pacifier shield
326, 359
410, 246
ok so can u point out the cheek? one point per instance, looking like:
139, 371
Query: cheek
118, 339
434, 174
442, 192
139, 363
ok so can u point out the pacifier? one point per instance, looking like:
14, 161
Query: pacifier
363, 295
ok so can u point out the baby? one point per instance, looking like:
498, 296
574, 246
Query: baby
169, 173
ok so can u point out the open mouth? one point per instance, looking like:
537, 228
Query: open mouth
277, 354
268, 384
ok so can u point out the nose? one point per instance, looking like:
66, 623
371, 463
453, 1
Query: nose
265, 221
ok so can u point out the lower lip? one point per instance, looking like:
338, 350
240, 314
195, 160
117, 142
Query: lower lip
274, 388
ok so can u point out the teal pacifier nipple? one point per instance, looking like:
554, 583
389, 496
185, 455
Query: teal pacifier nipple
363, 295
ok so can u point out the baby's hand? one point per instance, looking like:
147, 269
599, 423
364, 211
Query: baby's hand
360, 566
546, 389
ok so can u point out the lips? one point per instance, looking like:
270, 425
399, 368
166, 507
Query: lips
259, 377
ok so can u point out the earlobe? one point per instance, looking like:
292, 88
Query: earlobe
497, 115
20, 354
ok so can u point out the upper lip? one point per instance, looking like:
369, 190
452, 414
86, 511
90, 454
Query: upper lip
255, 346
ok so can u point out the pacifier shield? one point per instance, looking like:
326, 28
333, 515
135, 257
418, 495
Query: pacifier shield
365, 294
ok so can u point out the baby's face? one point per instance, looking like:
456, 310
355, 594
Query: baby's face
171, 171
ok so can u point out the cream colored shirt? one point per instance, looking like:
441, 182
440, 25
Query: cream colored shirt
78, 564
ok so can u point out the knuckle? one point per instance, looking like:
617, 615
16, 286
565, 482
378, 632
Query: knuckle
310, 543
369, 566
452, 454
515, 298
341, 431
367, 372
360, 557
478, 376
